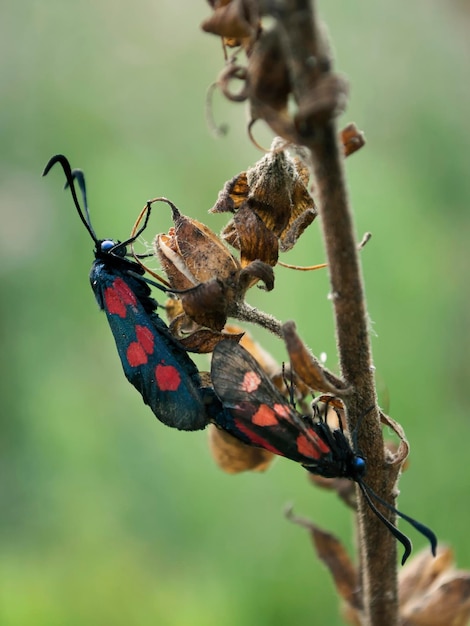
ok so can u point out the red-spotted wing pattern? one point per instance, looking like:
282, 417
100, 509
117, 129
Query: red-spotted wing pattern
256, 413
158, 367
153, 361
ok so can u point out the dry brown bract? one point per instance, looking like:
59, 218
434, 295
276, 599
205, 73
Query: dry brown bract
211, 279
271, 204
432, 591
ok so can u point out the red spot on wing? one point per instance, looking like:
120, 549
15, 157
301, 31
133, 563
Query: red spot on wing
125, 292
167, 377
136, 354
282, 411
251, 382
312, 447
119, 297
114, 303
138, 350
264, 416
256, 440
146, 338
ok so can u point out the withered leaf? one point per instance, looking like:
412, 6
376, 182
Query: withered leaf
233, 194
255, 271
172, 264
352, 139
272, 206
296, 228
233, 456
233, 19
433, 592
207, 304
446, 604
421, 572
396, 457
255, 241
268, 74
173, 308
278, 188
228, 75
204, 255
308, 368
202, 272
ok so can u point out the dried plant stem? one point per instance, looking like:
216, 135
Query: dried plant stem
378, 567
246, 313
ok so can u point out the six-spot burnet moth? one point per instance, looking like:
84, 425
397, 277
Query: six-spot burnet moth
153, 361
259, 415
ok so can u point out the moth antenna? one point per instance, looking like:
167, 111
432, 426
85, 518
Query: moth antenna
421, 528
402, 538
71, 176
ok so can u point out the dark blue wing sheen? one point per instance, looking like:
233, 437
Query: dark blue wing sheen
153, 361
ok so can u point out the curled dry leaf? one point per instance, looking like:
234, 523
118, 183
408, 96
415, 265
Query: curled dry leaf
229, 74
272, 206
207, 304
308, 368
248, 233
267, 74
396, 458
198, 253
422, 571
236, 21
433, 592
352, 139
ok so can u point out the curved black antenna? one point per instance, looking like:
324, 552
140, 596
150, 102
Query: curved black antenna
403, 539
71, 176
421, 528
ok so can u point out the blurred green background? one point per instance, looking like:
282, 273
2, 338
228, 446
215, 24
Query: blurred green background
108, 517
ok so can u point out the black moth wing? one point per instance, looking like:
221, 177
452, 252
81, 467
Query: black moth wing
256, 412
152, 360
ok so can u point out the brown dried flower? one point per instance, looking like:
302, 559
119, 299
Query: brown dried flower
236, 21
209, 279
271, 204
432, 591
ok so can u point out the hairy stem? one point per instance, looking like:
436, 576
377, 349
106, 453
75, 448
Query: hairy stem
308, 65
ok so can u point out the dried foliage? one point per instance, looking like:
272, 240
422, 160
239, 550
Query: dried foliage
271, 203
432, 591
